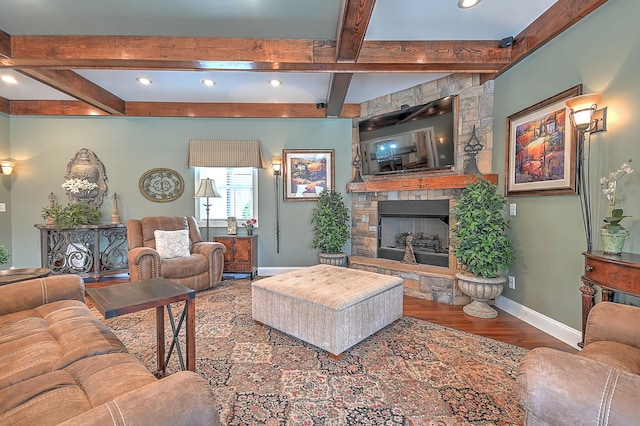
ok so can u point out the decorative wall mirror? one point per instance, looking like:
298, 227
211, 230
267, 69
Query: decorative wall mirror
86, 179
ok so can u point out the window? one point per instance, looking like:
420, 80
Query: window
238, 187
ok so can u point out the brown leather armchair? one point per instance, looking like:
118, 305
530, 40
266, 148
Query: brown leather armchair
201, 269
598, 385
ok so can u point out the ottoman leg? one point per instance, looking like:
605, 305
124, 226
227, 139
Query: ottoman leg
336, 357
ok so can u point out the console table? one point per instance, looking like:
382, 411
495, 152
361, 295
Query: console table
612, 273
91, 251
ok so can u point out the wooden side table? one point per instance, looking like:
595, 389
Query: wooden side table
126, 298
10, 276
612, 273
241, 255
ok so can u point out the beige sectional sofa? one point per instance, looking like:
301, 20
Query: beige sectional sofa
59, 365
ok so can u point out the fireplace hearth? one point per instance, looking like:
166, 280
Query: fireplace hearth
428, 223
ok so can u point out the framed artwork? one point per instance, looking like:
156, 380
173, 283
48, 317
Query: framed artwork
307, 172
542, 148
161, 185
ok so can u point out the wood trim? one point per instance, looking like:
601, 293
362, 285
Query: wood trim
416, 182
5, 45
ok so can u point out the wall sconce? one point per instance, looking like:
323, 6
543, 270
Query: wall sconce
7, 167
586, 118
276, 164
207, 190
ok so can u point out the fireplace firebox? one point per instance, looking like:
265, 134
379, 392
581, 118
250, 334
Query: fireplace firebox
426, 220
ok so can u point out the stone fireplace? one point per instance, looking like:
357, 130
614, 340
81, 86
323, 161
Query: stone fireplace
474, 108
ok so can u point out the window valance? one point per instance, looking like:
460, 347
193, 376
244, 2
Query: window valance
225, 153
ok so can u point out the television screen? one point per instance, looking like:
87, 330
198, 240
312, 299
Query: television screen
411, 139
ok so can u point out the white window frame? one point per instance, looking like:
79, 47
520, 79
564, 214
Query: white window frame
218, 204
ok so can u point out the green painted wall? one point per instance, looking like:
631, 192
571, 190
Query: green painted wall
5, 188
601, 52
130, 146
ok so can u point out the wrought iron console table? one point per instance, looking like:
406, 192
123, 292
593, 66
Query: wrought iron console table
91, 251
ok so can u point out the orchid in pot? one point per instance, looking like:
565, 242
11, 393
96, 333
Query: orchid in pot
250, 224
613, 233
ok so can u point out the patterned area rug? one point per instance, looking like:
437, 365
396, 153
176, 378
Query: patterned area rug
410, 373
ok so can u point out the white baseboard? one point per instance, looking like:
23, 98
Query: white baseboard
550, 326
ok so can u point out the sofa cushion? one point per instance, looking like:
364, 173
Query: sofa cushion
614, 354
181, 267
172, 244
59, 334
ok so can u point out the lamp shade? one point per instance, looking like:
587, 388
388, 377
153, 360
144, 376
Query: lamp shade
583, 107
7, 167
207, 189
276, 164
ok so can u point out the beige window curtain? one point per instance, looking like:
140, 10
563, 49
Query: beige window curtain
225, 153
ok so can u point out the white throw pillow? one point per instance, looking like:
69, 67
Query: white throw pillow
170, 244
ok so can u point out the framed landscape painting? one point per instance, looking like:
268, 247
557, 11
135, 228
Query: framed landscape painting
541, 148
307, 172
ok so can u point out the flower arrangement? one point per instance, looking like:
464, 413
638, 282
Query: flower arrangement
250, 223
609, 189
75, 186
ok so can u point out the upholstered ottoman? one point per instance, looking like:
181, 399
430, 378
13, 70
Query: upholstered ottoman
330, 307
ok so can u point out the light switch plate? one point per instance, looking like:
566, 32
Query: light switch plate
3, 207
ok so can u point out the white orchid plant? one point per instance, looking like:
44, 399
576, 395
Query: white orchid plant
609, 185
75, 186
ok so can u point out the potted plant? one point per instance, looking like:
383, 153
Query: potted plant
4, 255
71, 215
330, 220
480, 244
613, 234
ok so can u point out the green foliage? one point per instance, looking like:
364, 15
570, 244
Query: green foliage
71, 215
613, 222
330, 220
4, 255
479, 240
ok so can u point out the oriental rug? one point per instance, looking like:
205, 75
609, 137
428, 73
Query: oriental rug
410, 373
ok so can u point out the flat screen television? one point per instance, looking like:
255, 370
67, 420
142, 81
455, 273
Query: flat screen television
414, 138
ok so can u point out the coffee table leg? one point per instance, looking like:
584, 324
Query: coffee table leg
160, 339
191, 334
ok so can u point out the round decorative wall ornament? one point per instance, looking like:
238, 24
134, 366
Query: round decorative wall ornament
161, 185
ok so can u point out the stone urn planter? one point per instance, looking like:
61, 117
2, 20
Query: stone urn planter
480, 290
613, 242
334, 259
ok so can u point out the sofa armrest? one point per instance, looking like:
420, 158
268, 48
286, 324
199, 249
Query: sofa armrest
559, 388
144, 263
183, 398
30, 294
214, 252
613, 322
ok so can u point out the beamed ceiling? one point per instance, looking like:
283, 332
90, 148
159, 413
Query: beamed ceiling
338, 53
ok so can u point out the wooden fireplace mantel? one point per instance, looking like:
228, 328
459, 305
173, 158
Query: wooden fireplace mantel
411, 182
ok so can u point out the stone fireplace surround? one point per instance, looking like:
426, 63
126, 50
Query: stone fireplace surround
474, 106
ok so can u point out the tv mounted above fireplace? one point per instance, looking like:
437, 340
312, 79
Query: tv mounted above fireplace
414, 138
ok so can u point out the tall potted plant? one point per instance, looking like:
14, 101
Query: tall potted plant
5, 255
480, 244
330, 220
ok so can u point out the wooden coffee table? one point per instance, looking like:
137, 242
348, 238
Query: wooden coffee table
10, 276
126, 298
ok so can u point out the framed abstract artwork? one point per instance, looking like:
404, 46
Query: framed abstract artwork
542, 148
307, 172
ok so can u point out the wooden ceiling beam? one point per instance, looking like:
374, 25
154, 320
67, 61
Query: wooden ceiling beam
62, 108
338, 88
356, 15
5, 105
179, 109
67, 81
186, 53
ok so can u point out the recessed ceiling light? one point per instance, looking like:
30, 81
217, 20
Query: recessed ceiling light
9, 79
208, 82
275, 83
144, 80
467, 4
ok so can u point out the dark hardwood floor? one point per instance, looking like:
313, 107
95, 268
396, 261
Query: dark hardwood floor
505, 328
